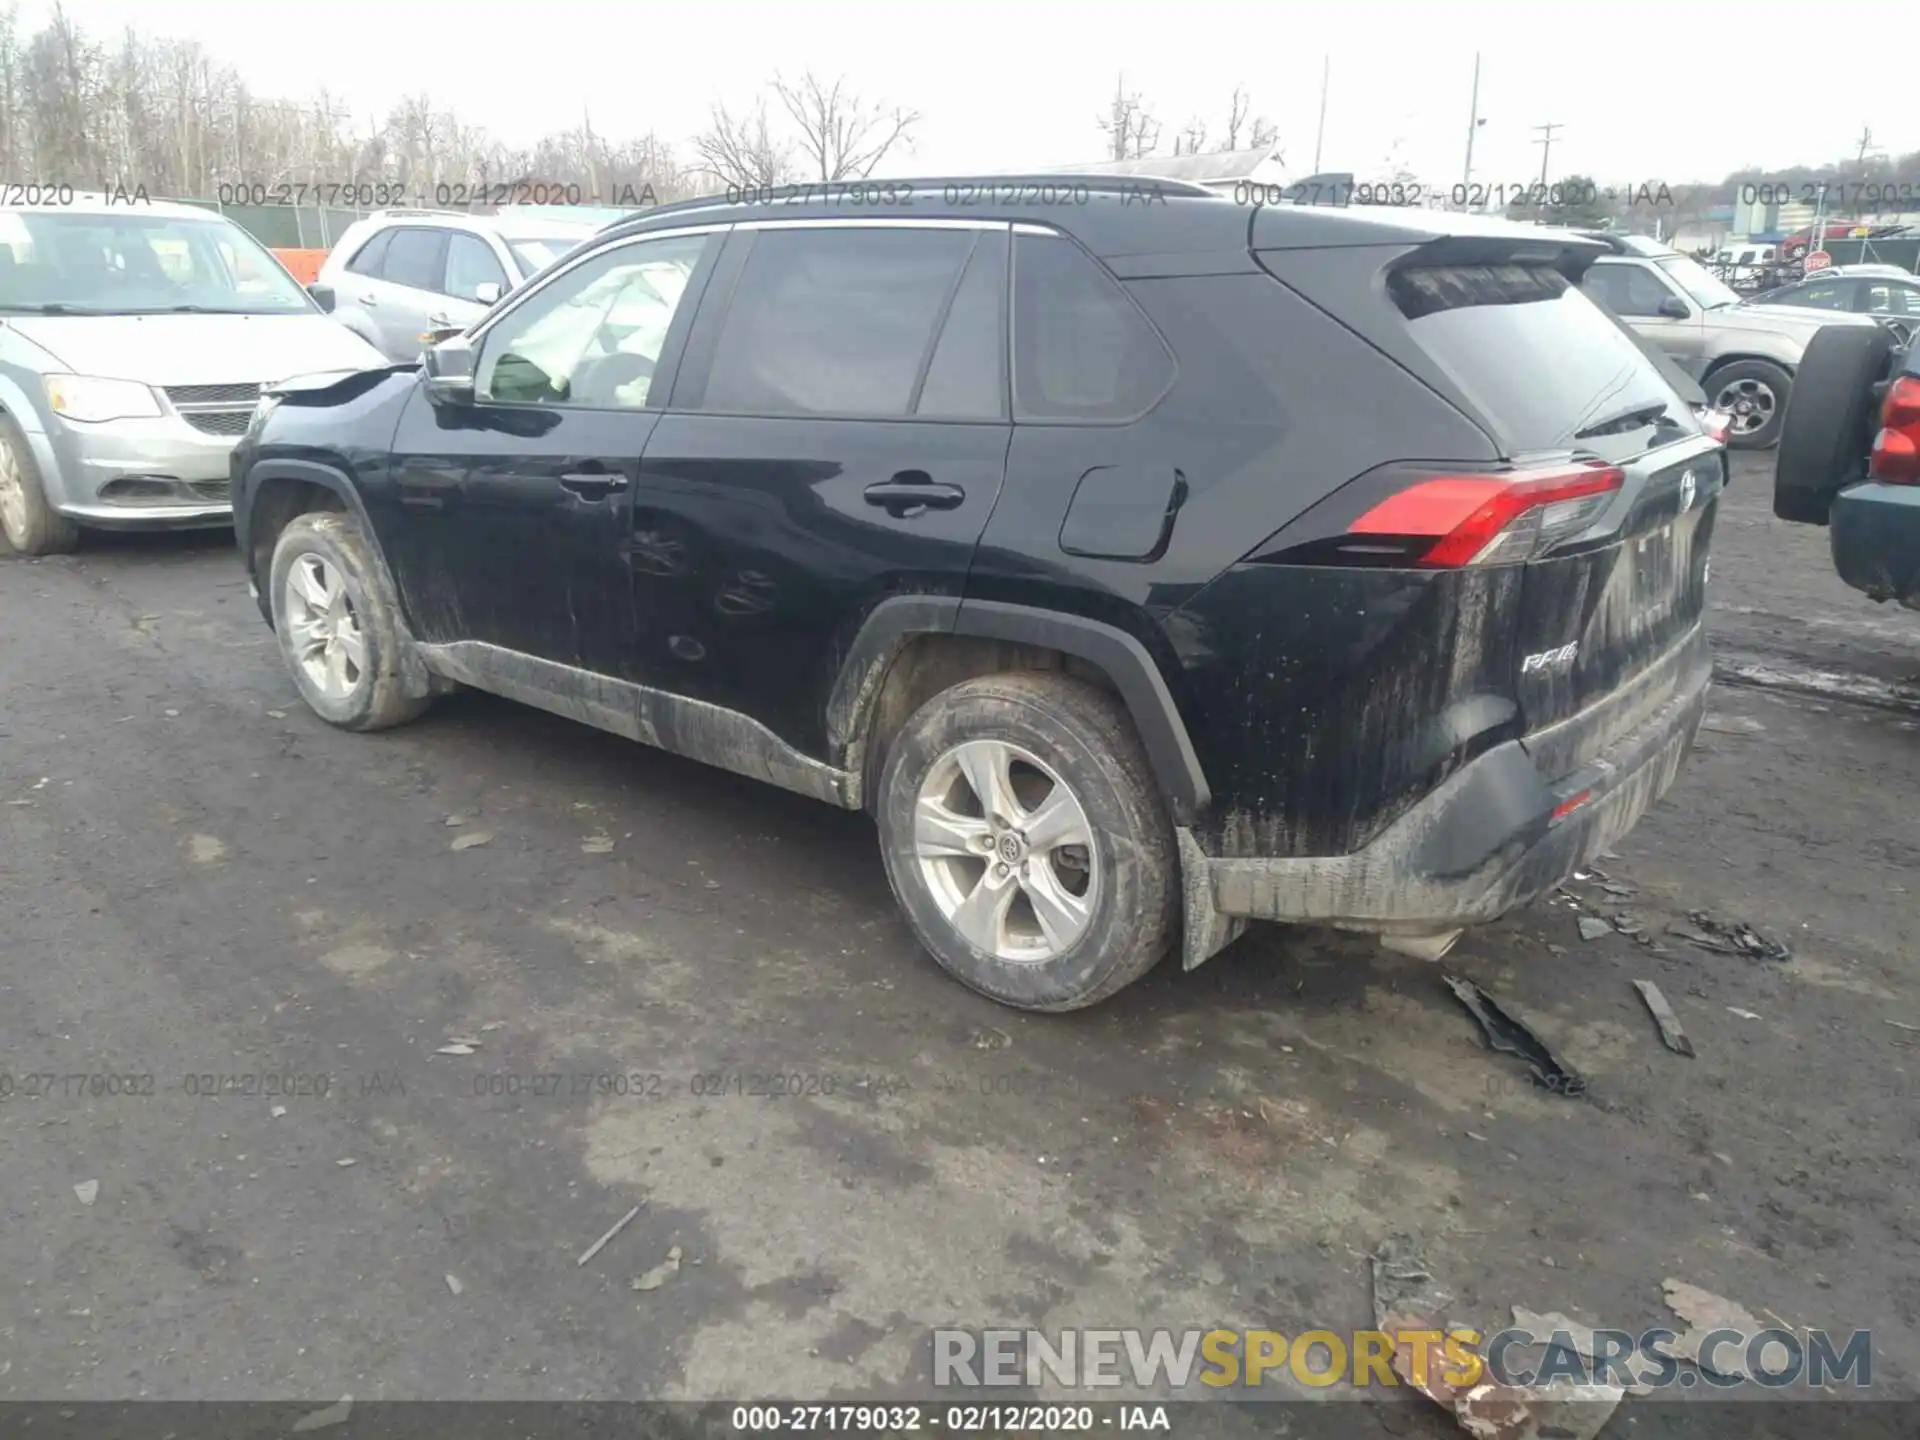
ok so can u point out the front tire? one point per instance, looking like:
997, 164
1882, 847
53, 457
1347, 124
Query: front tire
1755, 394
338, 624
1026, 840
30, 524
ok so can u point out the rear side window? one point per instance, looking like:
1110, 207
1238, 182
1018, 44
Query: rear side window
1081, 348
833, 321
1541, 364
366, 260
416, 258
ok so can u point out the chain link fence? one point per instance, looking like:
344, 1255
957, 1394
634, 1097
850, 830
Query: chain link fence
286, 227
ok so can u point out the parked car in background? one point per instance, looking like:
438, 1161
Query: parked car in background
134, 340
1143, 570
398, 275
1850, 459
1886, 292
1743, 352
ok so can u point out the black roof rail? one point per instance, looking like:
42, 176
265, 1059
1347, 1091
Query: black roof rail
798, 193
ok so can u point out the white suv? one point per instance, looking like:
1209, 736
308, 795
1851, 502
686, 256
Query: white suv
400, 274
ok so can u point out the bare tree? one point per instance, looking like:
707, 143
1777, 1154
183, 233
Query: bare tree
742, 151
1130, 127
842, 137
1265, 135
1192, 139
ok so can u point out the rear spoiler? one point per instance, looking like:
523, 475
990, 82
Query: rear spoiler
1429, 237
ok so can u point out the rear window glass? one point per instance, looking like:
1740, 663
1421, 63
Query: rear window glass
1536, 358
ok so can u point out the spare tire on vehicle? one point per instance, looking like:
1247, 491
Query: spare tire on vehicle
1830, 420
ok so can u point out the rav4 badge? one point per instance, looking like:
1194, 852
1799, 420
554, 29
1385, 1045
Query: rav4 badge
1550, 659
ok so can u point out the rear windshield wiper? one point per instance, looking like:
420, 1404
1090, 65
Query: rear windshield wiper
1627, 420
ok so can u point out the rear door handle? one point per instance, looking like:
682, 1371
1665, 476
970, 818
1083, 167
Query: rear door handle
373, 300
593, 484
899, 494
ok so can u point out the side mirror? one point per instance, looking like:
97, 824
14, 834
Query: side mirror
1674, 308
487, 291
323, 296
449, 367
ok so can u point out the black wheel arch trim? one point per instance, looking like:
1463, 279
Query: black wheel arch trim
311, 472
1120, 656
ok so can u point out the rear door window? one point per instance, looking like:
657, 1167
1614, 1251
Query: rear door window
1538, 361
1081, 348
833, 321
416, 257
967, 372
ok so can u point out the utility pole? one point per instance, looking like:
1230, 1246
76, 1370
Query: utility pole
1473, 121
1545, 142
1119, 117
1326, 70
1860, 168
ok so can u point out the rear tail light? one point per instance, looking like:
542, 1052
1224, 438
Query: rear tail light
1717, 424
1896, 449
1455, 520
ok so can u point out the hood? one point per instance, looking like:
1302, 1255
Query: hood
1796, 318
197, 349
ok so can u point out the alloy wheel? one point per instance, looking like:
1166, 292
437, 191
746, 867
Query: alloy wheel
1007, 851
324, 629
13, 496
1750, 403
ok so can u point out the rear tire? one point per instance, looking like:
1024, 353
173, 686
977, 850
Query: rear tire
30, 525
1830, 420
1056, 890
1754, 392
338, 623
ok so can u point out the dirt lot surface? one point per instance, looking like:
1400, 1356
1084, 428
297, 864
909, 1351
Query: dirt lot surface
200, 879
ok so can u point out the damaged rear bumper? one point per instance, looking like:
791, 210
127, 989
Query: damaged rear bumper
1487, 840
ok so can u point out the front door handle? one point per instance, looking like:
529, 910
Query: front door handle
372, 300
898, 494
594, 484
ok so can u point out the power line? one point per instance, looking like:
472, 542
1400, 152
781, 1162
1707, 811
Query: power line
1545, 142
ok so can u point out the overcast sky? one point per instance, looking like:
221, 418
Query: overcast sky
1643, 90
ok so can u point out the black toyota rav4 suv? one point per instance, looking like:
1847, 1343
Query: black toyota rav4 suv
1143, 562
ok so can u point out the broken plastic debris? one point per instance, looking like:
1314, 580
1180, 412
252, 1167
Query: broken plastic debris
1663, 1016
87, 1191
1743, 1014
277, 1111
600, 1244
657, 1276
1407, 1298
453, 1284
1706, 1312
597, 845
343, 1164
455, 819
335, 1414
1592, 927
1725, 939
471, 839
457, 1047
1902, 1025
277, 714
1507, 1034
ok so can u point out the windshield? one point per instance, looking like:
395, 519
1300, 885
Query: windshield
138, 264
536, 252
1699, 282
